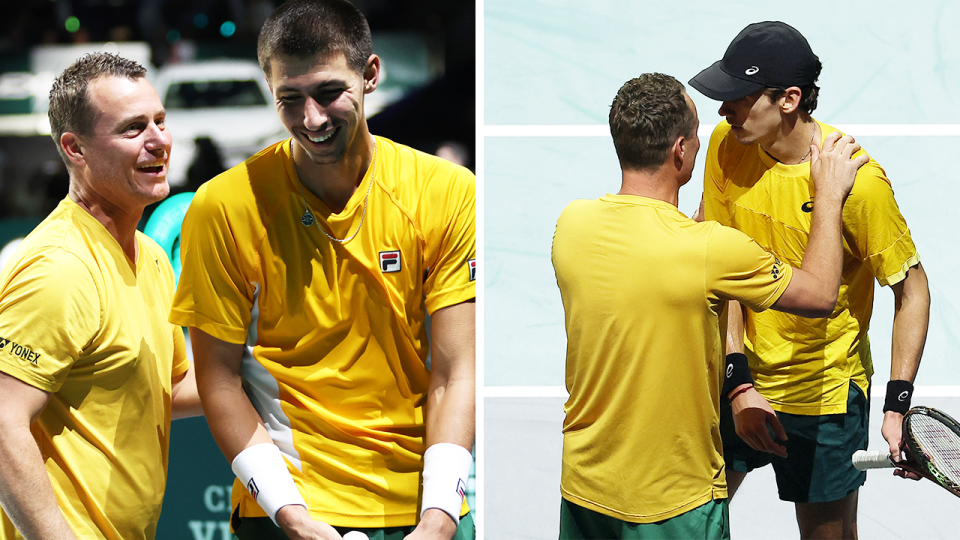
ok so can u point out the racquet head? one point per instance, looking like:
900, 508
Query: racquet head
931, 442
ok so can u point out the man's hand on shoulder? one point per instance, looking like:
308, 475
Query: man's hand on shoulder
834, 169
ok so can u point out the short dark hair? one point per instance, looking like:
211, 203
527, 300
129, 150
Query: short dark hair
808, 92
305, 28
70, 109
646, 118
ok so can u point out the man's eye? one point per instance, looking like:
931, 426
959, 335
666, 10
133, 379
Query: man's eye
330, 95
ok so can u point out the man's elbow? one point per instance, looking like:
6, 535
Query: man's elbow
811, 306
823, 309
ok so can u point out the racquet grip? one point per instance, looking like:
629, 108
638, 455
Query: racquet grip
877, 459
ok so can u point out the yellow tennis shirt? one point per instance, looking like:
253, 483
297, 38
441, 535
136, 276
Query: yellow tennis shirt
339, 345
642, 288
78, 319
801, 365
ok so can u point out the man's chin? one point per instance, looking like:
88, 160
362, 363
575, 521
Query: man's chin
742, 137
327, 158
159, 192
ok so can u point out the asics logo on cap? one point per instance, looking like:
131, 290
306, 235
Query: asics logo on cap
752, 70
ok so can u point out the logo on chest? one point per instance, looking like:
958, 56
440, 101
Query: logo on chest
390, 261
472, 266
807, 206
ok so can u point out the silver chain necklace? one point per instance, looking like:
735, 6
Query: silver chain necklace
809, 149
307, 219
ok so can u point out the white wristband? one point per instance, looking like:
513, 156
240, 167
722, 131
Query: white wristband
264, 473
446, 467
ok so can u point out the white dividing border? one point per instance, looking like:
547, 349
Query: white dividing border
598, 130
931, 391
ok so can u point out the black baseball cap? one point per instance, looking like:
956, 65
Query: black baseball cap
768, 54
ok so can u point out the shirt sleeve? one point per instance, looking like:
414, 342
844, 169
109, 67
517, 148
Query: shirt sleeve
878, 230
213, 295
739, 269
46, 318
449, 212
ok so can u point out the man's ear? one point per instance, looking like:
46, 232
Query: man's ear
72, 148
680, 147
790, 100
371, 74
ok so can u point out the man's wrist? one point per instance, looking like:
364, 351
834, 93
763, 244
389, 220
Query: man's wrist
437, 522
898, 396
262, 469
446, 468
739, 390
291, 516
736, 373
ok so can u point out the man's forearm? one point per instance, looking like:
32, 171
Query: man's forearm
911, 318
185, 399
25, 491
735, 316
823, 256
451, 401
451, 413
233, 421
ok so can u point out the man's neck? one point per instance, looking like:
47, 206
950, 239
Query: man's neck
791, 143
120, 223
659, 185
335, 183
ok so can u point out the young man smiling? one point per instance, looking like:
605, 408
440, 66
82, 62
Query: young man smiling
308, 272
85, 423
814, 372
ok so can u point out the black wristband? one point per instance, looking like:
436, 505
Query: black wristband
736, 372
898, 396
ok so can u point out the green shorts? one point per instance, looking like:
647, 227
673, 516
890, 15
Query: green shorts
817, 467
710, 521
262, 528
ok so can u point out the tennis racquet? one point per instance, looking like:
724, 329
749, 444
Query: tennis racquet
930, 446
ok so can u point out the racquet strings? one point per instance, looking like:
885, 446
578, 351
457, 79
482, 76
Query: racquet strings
940, 444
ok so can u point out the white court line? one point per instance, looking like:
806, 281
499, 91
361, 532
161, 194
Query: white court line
599, 130
934, 391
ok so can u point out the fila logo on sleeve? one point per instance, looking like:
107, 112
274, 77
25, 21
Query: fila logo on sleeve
472, 266
390, 261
